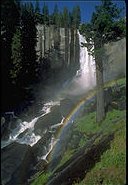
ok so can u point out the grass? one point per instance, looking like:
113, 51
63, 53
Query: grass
66, 157
41, 179
111, 170
119, 82
88, 126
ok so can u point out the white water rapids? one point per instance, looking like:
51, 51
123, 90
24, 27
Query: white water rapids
29, 138
83, 81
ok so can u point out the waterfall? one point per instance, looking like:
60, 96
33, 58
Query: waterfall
87, 66
85, 77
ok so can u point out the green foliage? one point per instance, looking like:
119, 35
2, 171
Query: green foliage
66, 17
37, 14
41, 179
56, 16
31, 7
105, 26
67, 155
112, 167
28, 40
70, 19
16, 56
87, 124
45, 13
9, 21
10, 16
61, 20
37, 7
76, 17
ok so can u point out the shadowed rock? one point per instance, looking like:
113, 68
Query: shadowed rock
66, 106
82, 162
49, 119
16, 159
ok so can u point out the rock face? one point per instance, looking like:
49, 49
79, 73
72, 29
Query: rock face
62, 43
15, 160
114, 58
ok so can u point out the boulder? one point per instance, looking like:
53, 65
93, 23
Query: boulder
16, 161
66, 106
41, 165
41, 147
8, 126
4, 126
46, 121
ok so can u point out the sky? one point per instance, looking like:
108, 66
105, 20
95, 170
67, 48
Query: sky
87, 7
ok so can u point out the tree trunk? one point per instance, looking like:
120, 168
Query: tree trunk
44, 40
77, 48
66, 46
40, 44
100, 108
72, 47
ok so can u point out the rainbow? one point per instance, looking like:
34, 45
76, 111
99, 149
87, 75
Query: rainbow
68, 119
81, 102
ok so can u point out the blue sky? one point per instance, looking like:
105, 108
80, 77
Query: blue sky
87, 7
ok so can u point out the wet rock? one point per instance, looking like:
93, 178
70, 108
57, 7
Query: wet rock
2, 121
49, 119
66, 106
119, 97
41, 147
23, 133
41, 165
8, 126
14, 123
90, 108
16, 160
107, 98
4, 126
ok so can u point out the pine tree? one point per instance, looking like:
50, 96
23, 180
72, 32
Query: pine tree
61, 20
66, 26
37, 7
45, 13
70, 19
10, 14
56, 20
66, 17
104, 27
16, 56
38, 16
76, 17
31, 8
28, 38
